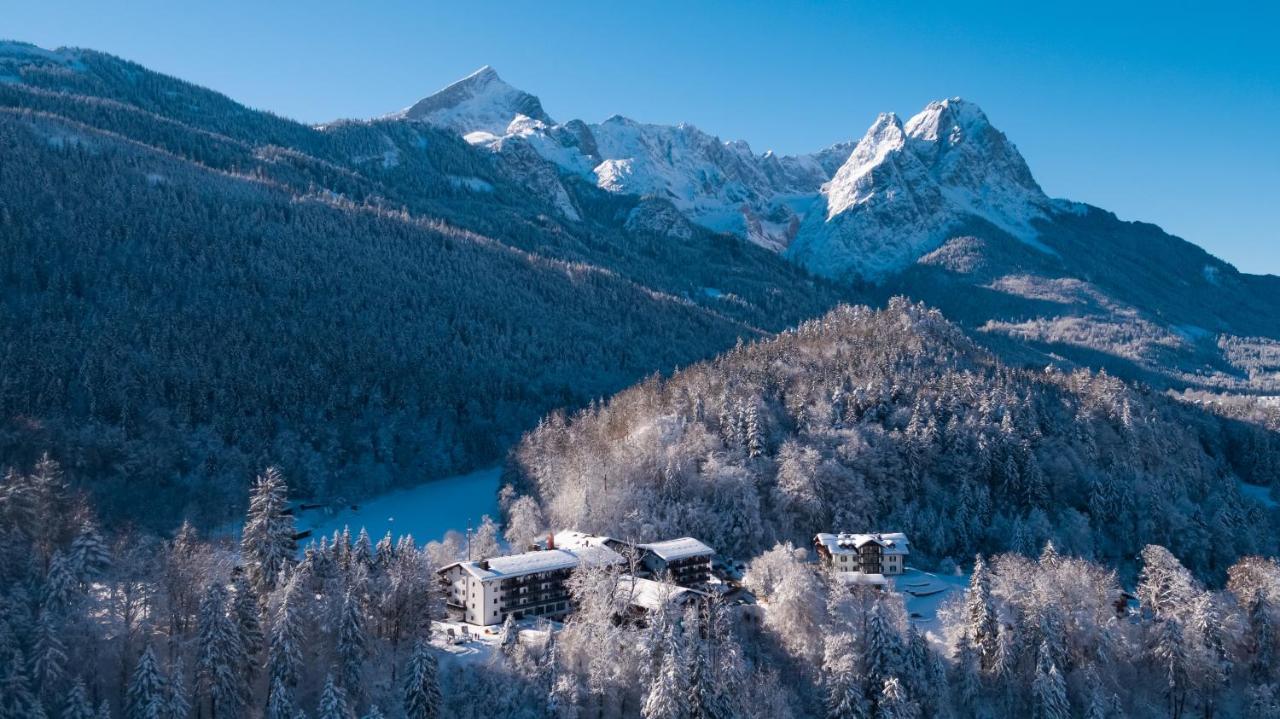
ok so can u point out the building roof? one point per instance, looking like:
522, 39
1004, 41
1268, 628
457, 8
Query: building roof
675, 549
571, 539
546, 560
650, 595
843, 543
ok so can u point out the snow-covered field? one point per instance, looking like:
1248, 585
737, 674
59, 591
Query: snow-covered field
924, 593
426, 511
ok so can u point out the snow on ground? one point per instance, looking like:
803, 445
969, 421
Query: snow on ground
925, 593
426, 511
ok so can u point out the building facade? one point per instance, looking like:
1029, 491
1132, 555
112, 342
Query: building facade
532, 584
884, 554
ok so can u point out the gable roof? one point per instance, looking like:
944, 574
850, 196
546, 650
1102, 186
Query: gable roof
546, 560
843, 543
675, 549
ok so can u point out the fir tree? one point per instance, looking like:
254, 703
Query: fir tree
147, 691
981, 627
893, 702
89, 554
284, 659
247, 611
352, 647
17, 700
422, 698
280, 702
333, 701
77, 704
177, 704
219, 679
49, 655
1049, 689
267, 545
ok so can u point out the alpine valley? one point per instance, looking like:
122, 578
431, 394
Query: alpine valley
958, 449
425, 285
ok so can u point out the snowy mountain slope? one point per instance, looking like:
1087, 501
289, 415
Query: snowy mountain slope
478, 103
721, 185
905, 186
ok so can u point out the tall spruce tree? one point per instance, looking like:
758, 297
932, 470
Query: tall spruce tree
422, 699
219, 678
267, 545
147, 690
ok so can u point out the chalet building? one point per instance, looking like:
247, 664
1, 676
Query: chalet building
882, 554
686, 561
532, 584
645, 596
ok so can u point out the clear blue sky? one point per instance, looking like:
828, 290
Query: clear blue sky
1168, 113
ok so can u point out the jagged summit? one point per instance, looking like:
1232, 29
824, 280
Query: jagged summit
481, 102
906, 185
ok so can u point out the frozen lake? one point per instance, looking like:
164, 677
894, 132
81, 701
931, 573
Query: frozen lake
426, 511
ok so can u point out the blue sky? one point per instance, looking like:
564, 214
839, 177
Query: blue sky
1167, 113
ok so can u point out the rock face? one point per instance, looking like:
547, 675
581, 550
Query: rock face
478, 103
721, 185
851, 211
905, 187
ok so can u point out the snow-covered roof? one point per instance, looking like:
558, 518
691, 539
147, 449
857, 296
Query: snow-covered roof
546, 560
850, 579
571, 539
890, 542
673, 550
650, 595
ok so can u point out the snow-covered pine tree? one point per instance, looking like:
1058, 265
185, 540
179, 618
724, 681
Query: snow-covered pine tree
284, 656
362, 552
48, 655
352, 647
17, 700
177, 703
845, 693
89, 554
980, 614
1049, 689
1262, 637
374, 713
219, 679
333, 701
422, 698
267, 545
247, 609
1169, 653
60, 585
893, 702
384, 551
666, 698
147, 691
881, 645
77, 704
280, 702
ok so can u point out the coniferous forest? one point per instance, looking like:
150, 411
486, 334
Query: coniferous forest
214, 319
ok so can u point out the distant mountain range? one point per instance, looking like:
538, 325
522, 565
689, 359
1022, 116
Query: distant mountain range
194, 288
942, 207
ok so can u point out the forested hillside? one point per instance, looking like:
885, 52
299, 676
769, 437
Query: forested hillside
893, 420
118, 624
193, 290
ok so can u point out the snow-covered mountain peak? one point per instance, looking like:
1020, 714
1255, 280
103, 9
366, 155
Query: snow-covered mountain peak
479, 106
905, 186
